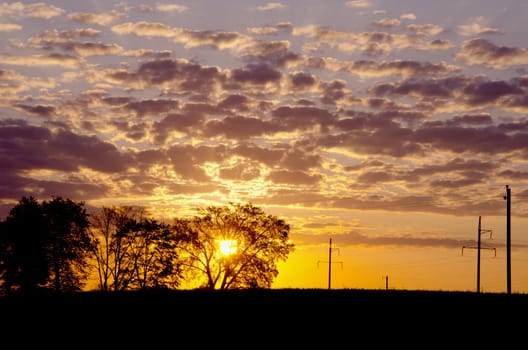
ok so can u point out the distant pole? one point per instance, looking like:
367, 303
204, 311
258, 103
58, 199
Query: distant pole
480, 231
329, 263
508, 239
478, 257
330, 251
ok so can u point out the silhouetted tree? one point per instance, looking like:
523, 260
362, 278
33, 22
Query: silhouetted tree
109, 228
45, 245
154, 255
69, 244
25, 263
133, 252
233, 246
103, 226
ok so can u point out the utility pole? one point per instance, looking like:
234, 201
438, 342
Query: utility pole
330, 251
508, 239
479, 233
329, 262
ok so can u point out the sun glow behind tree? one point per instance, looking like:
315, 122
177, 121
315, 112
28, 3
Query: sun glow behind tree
233, 246
227, 247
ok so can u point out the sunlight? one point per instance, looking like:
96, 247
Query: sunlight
227, 247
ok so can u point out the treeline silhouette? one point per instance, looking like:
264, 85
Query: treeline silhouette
57, 246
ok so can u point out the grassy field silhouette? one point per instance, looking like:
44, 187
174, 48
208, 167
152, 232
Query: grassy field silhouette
269, 300
299, 316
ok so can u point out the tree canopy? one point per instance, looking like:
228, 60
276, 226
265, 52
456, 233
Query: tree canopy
234, 246
44, 245
133, 251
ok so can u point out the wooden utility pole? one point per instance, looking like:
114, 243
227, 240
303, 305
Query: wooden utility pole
329, 263
508, 239
478, 256
480, 231
330, 250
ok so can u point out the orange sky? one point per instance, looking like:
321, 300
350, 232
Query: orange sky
387, 126
440, 261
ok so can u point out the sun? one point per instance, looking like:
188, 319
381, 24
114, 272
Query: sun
227, 247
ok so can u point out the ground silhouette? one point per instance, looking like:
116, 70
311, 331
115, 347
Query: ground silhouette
276, 317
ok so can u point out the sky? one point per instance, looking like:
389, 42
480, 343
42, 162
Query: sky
379, 130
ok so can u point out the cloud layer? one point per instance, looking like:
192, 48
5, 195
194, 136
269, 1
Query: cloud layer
148, 105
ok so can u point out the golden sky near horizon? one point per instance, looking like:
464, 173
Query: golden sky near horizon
386, 126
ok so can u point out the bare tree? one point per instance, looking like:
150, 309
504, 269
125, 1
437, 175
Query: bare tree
109, 228
134, 252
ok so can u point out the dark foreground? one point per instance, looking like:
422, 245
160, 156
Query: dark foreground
303, 317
